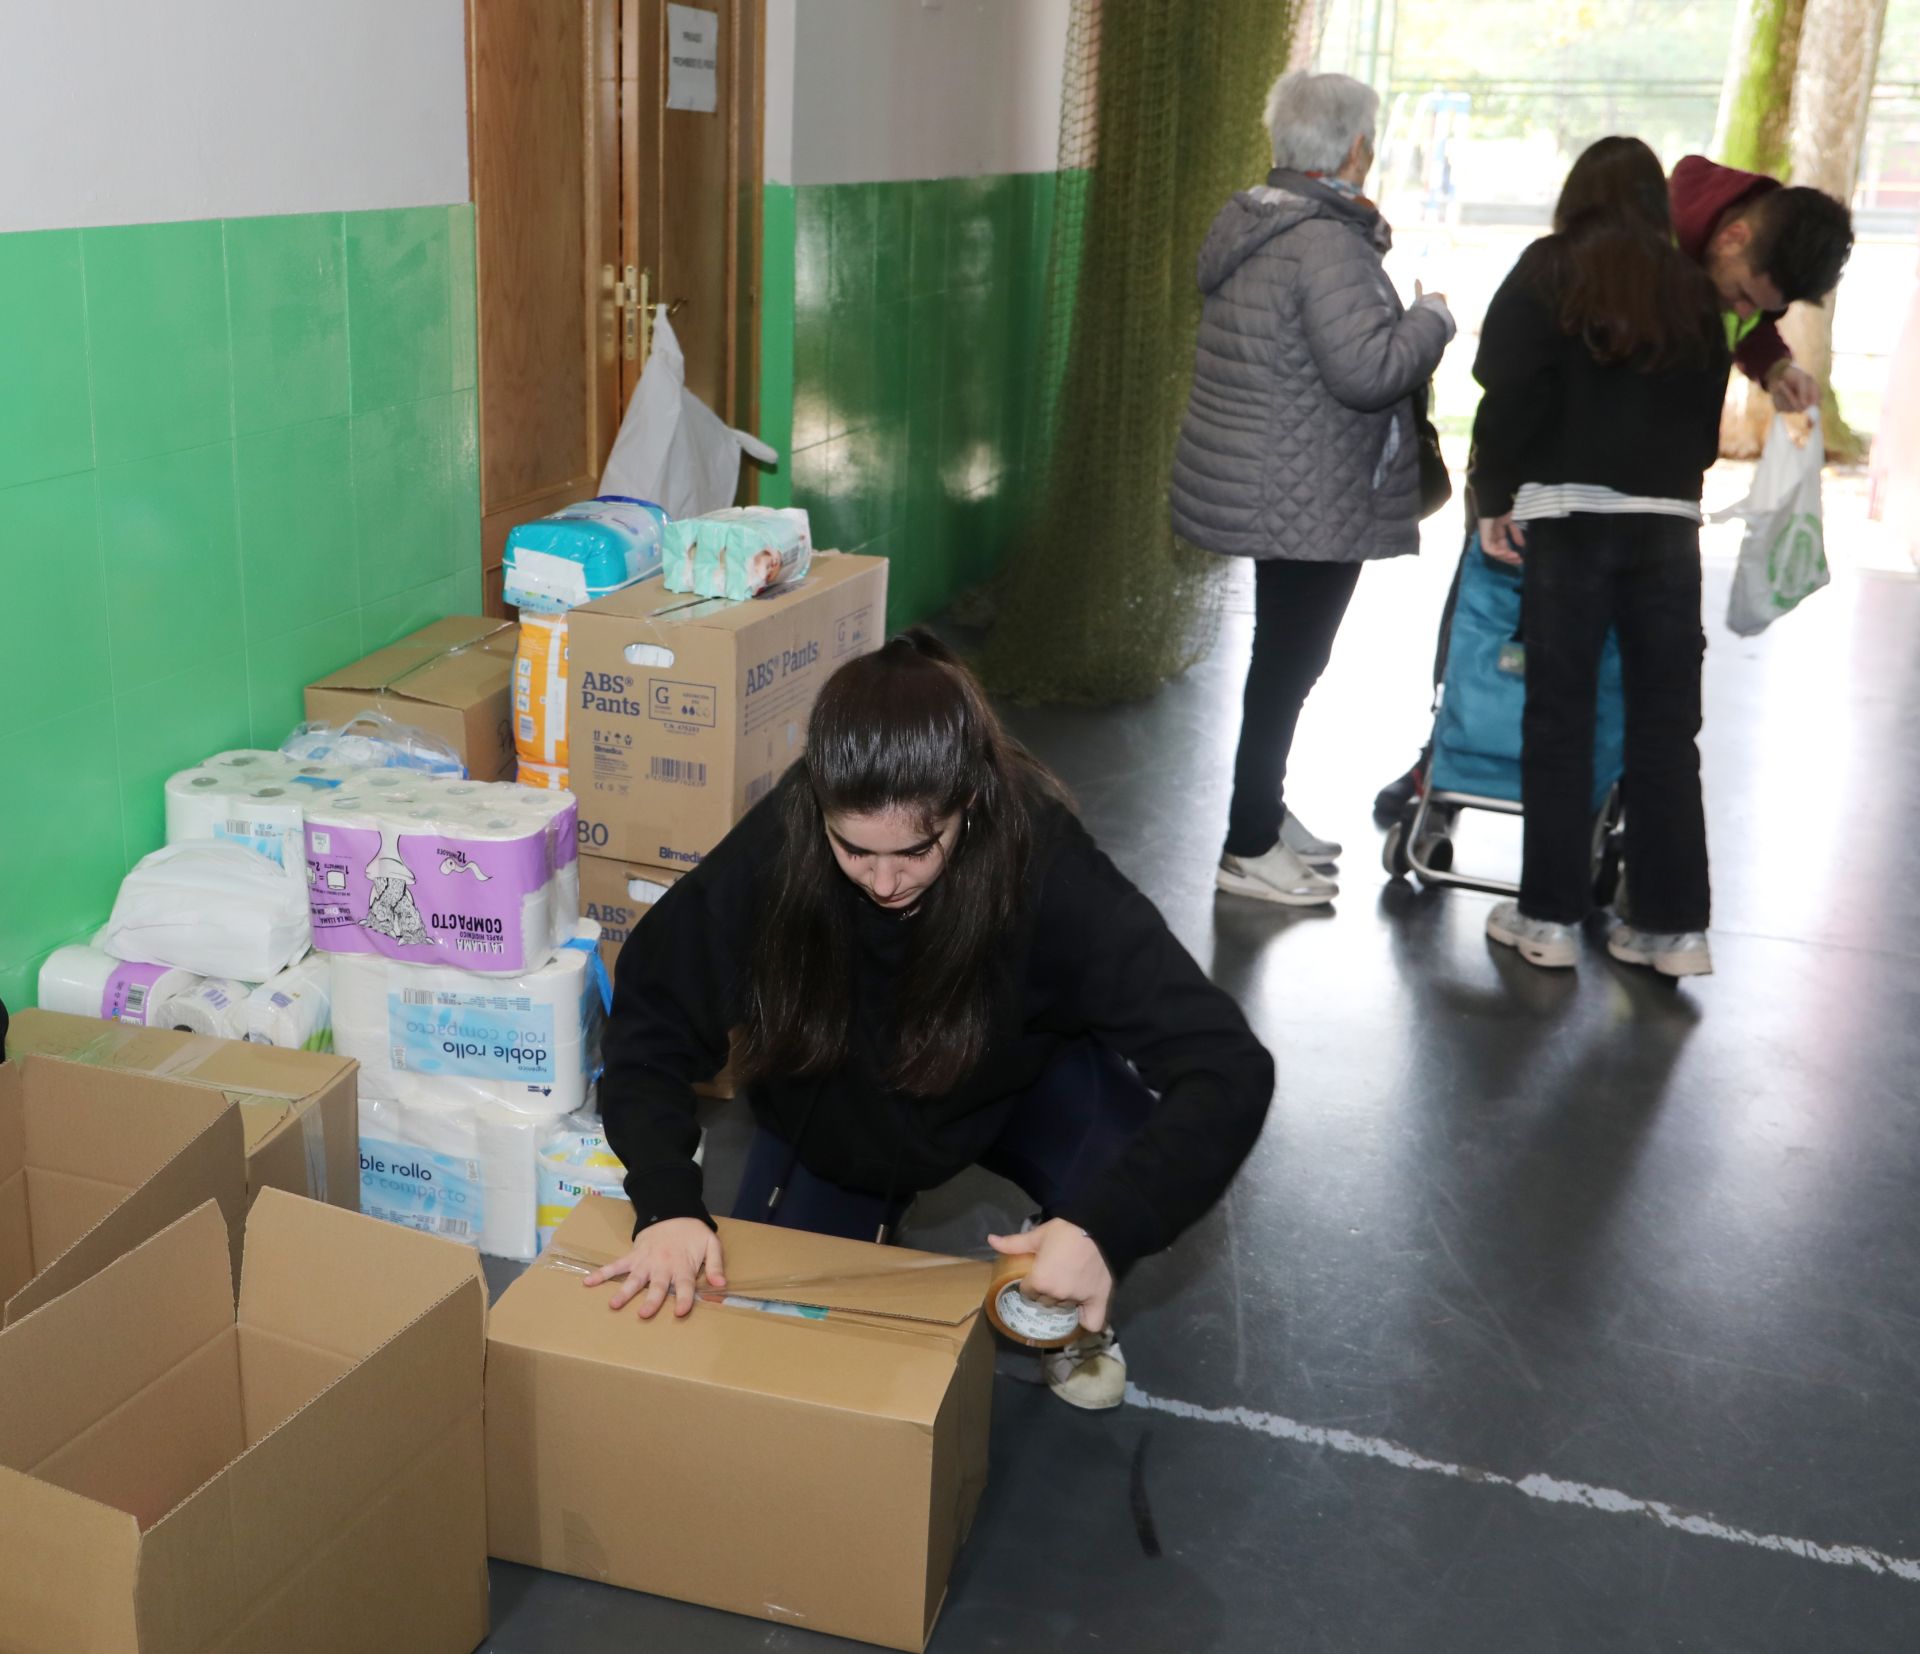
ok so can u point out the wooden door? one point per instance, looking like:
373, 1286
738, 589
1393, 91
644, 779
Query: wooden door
580, 173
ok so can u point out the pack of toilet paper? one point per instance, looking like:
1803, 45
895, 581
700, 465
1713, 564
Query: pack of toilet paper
257, 799
85, 981
218, 1006
482, 876
212, 908
531, 1041
461, 1168
292, 1010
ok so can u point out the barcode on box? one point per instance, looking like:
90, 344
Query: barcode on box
682, 772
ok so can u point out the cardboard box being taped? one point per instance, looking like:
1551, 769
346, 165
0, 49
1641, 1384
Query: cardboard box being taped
91, 1165
298, 1109
454, 679
816, 1467
302, 1475
684, 711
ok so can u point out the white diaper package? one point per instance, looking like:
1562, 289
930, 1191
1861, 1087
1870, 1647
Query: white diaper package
575, 1162
83, 981
530, 1041
483, 876
292, 1010
216, 909
258, 799
463, 1170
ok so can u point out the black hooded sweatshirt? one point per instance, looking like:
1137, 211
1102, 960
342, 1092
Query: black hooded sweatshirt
1088, 956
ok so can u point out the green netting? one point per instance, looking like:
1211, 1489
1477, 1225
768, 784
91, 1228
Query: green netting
1160, 122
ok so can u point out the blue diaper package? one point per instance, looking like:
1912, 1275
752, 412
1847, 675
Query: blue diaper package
582, 552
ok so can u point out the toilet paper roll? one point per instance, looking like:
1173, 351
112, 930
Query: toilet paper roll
530, 1041
293, 1009
1038, 1326
213, 909
464, 1170
431, 871
257, 799
217, 1007
86, 981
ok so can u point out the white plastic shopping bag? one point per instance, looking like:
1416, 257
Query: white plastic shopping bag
671, 446
1783, 554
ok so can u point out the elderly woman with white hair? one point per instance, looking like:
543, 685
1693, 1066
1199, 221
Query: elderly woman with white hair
1300, 446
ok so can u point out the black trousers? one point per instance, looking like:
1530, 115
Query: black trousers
1297, 610
1640, 574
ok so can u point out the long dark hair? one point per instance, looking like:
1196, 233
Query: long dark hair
1619, 284
907, 728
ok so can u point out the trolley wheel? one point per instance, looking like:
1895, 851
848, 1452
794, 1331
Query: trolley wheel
1393, 852
1438, 853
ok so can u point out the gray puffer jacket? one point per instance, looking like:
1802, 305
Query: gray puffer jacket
1299, 437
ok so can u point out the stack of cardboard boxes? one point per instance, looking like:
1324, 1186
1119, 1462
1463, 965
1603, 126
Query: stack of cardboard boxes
687, 710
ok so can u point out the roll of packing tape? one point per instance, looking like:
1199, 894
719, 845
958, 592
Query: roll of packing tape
1040, 1326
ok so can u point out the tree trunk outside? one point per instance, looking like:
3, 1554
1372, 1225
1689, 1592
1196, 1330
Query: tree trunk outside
1840, 46
1751, 133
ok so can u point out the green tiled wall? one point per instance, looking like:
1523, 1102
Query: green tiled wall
233, 456
915, 314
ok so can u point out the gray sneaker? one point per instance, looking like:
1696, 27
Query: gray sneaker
1671, 953
1278, 876
1318, 852
1539, 941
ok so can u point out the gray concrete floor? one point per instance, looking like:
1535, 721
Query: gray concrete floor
1659, 1244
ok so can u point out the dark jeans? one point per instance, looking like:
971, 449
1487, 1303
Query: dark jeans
1297, 610
1064, 1132
1641, 575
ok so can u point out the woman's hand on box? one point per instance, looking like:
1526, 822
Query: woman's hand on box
667, 1260
1067, 1269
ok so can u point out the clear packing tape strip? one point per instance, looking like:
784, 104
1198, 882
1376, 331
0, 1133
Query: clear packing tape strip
1018, 1317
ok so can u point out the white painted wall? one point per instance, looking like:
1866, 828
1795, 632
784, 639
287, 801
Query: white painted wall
864, 91
142, 111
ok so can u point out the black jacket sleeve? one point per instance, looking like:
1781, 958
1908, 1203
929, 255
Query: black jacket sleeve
1519, 346
676, 997
1123, 977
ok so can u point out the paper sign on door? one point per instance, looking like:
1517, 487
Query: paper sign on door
693, 59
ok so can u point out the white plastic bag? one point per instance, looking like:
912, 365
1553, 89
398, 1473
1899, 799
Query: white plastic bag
671, 446
373, 741
211, 908
1783, 553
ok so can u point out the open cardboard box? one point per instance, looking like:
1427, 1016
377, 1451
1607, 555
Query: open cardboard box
297, 1108
92, 1164
453, 678
302, 1476
815, 1467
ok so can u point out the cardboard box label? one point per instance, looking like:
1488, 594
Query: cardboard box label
696, 705
475, 1036
438, 1194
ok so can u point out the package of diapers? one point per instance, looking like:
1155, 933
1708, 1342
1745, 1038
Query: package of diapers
216, 909
540, 691
479, 876
737, 553
582, 552
530, 1041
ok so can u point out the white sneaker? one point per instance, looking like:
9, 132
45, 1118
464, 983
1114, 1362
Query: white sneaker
1294, 835
1676, 953
1090, 1372
1540, 941
1278, 876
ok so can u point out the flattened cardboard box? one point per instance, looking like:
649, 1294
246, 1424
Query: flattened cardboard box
92, 1164
454, 679
685, 711
302, 1475
299, 1109
815, 1467
617, 895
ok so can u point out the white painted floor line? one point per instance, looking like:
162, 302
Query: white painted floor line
1549, 1489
